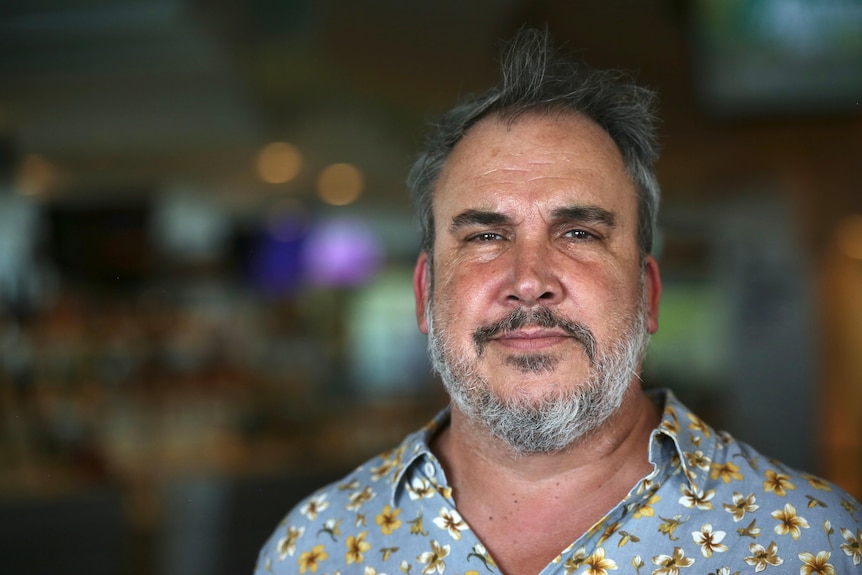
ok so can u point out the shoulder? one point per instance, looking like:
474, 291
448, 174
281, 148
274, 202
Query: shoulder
338, 522
817, 519
759, 505
300, 537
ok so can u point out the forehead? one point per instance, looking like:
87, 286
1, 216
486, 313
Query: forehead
534, 159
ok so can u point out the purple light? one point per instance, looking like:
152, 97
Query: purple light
341, 252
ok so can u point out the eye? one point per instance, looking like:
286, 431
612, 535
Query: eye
485, 237
579, 234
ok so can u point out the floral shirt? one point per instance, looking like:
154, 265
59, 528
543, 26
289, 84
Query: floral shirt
711, 506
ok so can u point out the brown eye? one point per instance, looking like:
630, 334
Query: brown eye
485, 237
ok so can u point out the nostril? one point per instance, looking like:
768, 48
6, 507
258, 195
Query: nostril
547, 295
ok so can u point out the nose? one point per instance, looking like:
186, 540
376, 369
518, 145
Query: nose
535, 278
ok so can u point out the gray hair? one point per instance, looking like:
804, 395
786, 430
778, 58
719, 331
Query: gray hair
536, 79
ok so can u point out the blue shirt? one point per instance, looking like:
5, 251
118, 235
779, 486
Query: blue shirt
712, 505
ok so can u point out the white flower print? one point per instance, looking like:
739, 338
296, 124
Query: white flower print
451, 520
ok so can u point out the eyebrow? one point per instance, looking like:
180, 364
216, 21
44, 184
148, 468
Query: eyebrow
469, 218
585, 214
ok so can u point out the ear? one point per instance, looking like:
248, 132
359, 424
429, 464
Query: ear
421, 290
653, 292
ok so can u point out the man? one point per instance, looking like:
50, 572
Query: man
538, 293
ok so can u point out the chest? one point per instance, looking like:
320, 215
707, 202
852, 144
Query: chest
524, 538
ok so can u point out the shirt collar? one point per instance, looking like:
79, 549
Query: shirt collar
692, 442
416, 449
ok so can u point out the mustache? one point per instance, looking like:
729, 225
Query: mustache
537, 317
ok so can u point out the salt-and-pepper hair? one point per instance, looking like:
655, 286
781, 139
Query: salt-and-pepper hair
535, 79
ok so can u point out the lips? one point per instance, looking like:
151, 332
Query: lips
531, 339
534, 329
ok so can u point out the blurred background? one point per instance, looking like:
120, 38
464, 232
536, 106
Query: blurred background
206, 247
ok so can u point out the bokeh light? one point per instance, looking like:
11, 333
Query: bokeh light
287, 220
340, 184
342, 252
278, 163
36, 175
848, 236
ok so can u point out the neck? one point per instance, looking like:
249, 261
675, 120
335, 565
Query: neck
557, 496
466, 447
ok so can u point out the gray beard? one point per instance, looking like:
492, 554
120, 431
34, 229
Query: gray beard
560, 418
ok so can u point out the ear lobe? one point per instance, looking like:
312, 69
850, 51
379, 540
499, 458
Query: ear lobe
421, 290
653, 292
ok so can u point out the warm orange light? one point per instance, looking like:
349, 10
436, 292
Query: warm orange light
36, 175
339, 184
848, 236
278, 162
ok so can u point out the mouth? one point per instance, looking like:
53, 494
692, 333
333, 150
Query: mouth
528, 339
534, 330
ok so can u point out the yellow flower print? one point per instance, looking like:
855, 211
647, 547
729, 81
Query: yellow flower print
310, 560
645, 509
710, 541
416, 527
761, 558
669, 423
741, 505
698, 460
377, 473
609, 530
287, 544
817, 483
443, 490
849, 506
597, 564
574, 562
356, 546
420, 488
853, 545
433, 559
668, 526
777, 483
358, 498
696, 497
451, 520
696, 440
386, 552
406, 567
697, 424
625, 537
752, 530
727, 471
670, 565
816, 565
789, 522
314, 506
388, 520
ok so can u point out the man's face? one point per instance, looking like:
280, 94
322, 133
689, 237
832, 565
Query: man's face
537, 276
